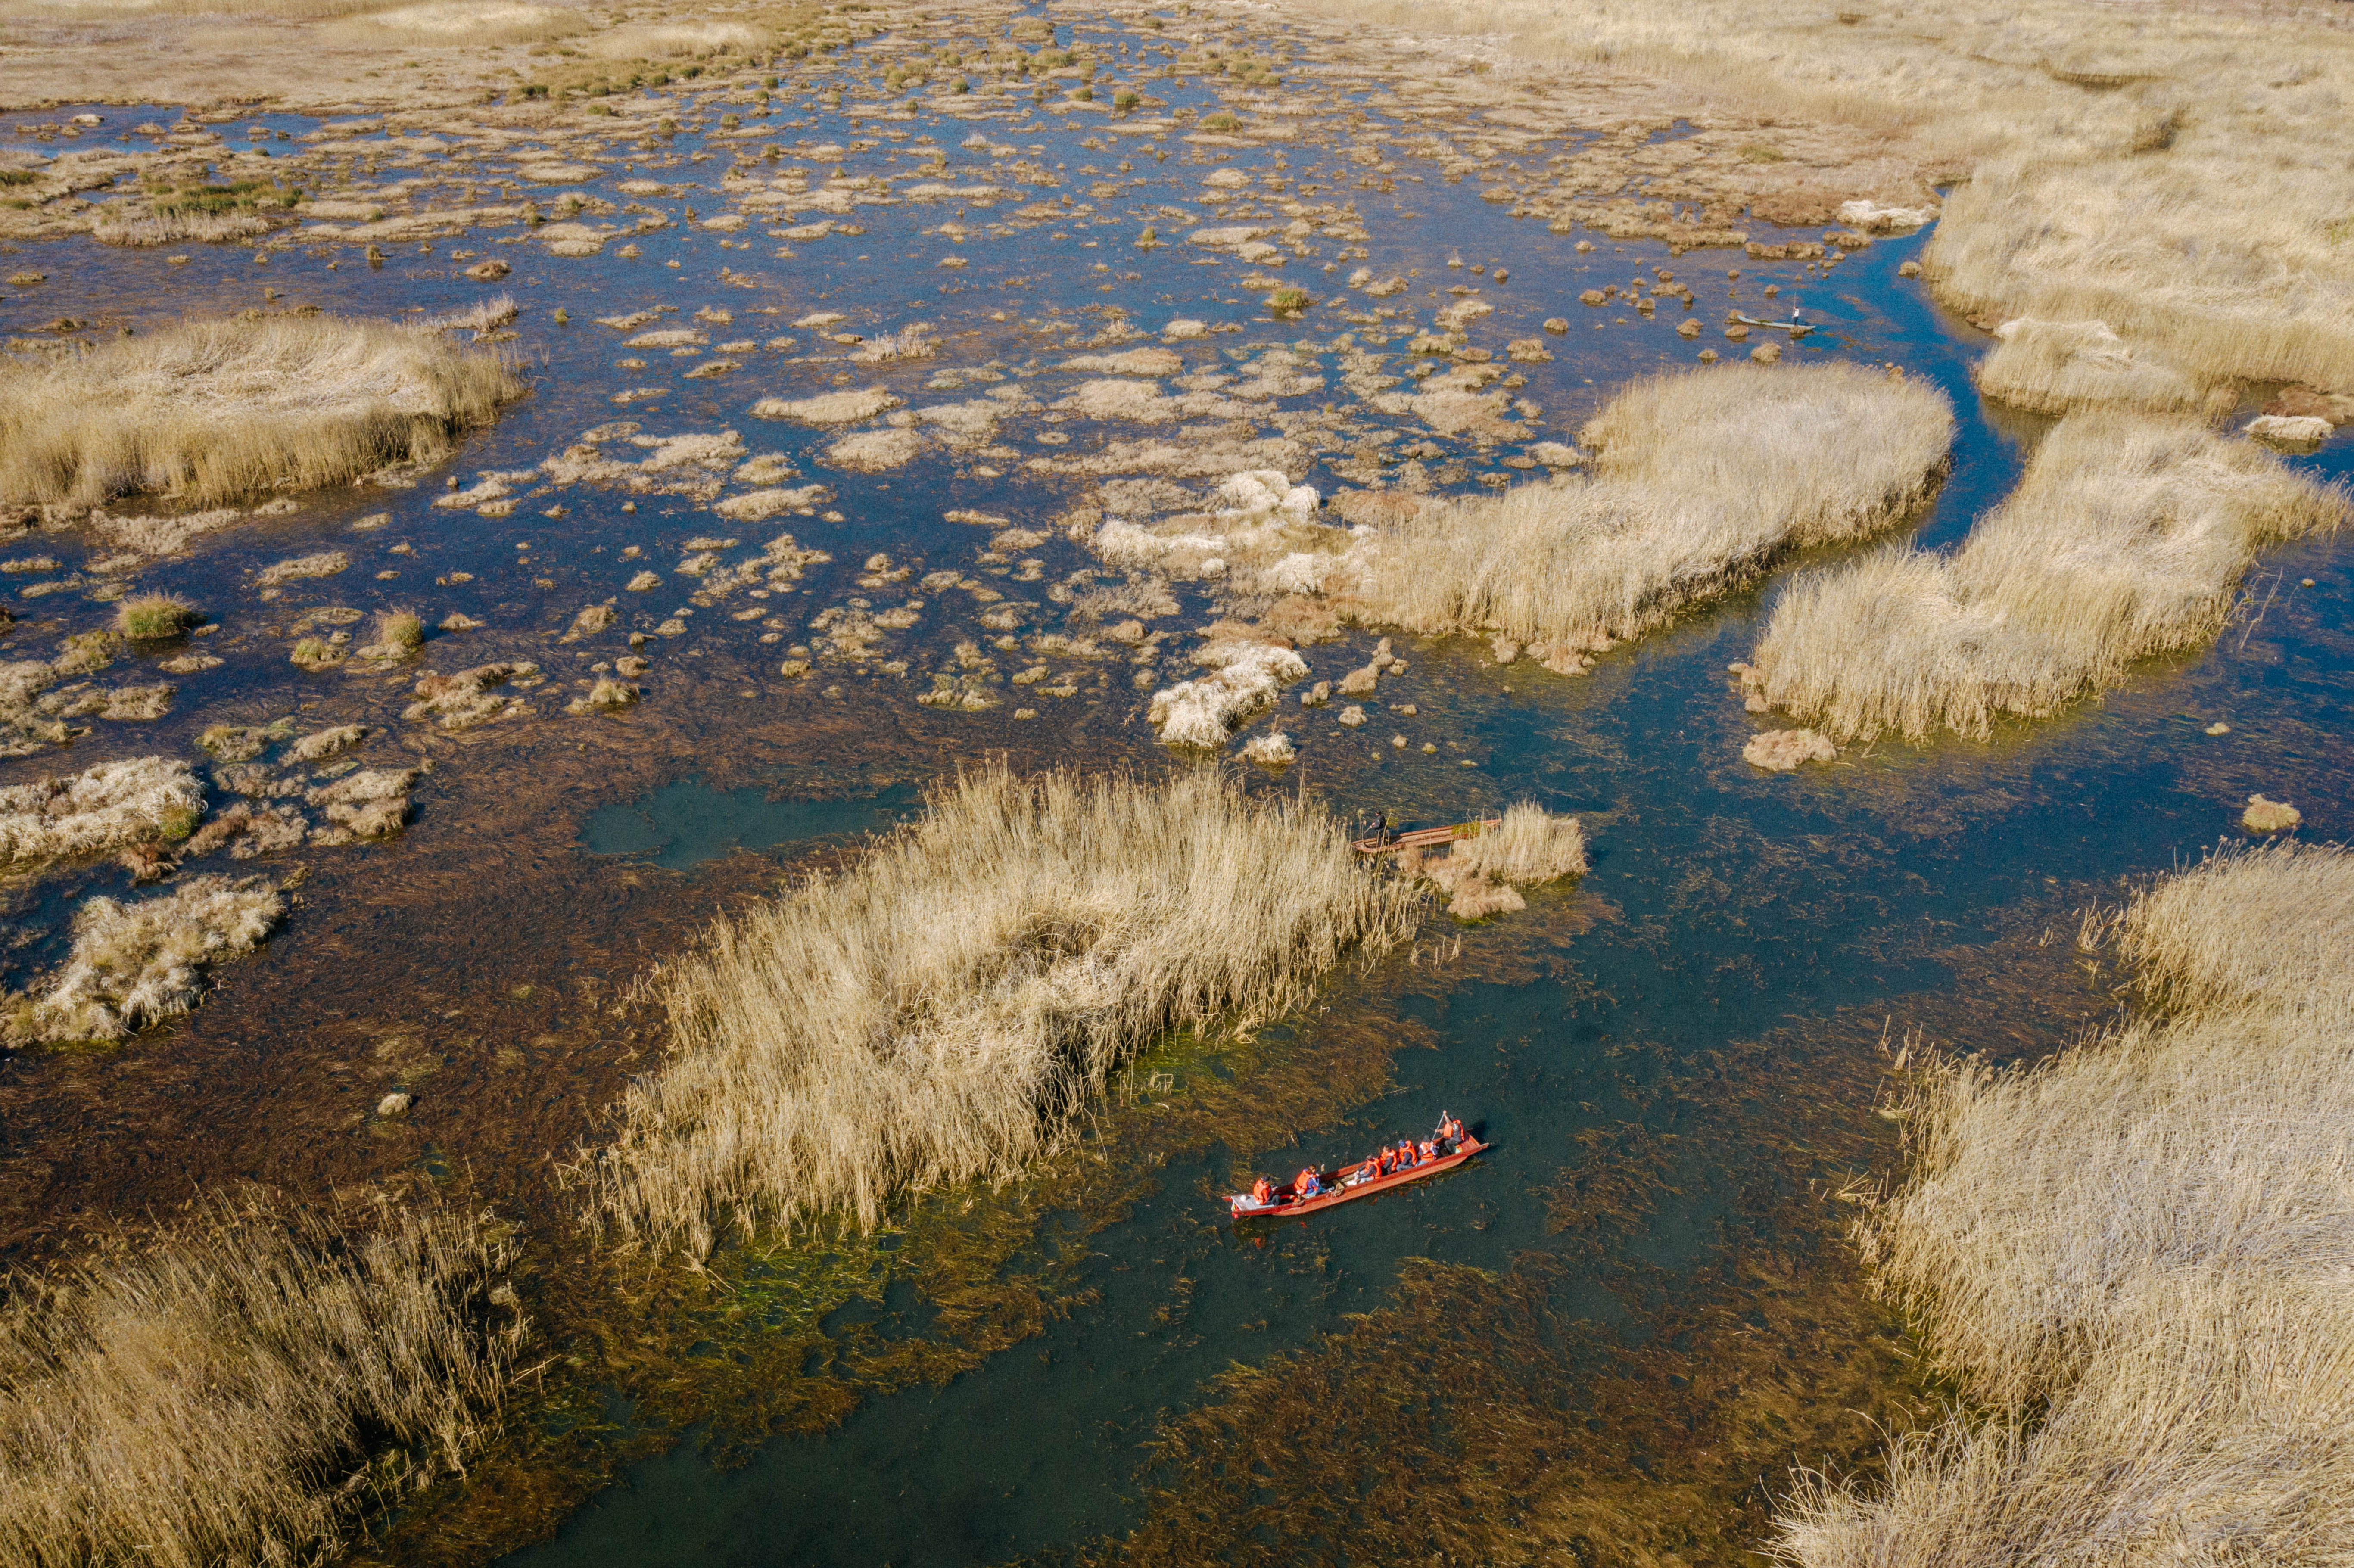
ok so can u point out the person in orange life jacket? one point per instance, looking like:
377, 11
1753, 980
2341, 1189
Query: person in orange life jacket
1262, 1190
1451, 1131
1405, 1154
1305, 1185
1427, 1153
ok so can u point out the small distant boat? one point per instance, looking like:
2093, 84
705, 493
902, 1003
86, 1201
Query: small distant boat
1794, 327
1349, 1182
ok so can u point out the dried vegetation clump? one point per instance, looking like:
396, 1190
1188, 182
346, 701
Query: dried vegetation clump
210, 411
2060, 367
237, 1387
1481, 875
96, 812
138, 962
2132, 1259
939, 1010
2126, 537
1700, 480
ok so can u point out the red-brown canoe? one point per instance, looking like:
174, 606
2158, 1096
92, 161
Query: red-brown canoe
1339, 1188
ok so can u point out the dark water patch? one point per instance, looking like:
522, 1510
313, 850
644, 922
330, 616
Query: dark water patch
684, 824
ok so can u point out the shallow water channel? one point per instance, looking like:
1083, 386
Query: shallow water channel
1612, 1336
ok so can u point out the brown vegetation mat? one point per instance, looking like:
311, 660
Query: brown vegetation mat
210, 411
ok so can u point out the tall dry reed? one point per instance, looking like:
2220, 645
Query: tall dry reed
1701, 480
939, 1010
2133, 1259
2126, 537
210, 411
231, 1388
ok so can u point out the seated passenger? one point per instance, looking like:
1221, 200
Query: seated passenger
1305, 1185
1262, 1192
1427, 1153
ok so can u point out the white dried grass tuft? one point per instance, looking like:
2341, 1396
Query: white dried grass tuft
138, 962
941, 1009
97, 810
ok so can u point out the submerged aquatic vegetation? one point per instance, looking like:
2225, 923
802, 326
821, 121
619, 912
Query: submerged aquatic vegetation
2126, 537
138, 962
212, 411
2133, 1259
939, 1010
1700, 481
233, 1387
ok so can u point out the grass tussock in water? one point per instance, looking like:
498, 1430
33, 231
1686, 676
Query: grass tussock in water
1700, 480
232, 1389
2134, 1260
210, 411
937, 1010
2126, 537
1480, 875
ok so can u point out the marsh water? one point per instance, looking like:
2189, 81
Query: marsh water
1611, 1339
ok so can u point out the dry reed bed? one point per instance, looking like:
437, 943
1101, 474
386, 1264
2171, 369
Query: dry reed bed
232, 1389
1700, 480
2133, 1261
2176, 173
938, 1010
2126, 537
206, 413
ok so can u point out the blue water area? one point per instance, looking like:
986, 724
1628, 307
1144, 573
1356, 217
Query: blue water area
680, 825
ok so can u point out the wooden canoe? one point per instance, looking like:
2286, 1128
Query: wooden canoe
1340, 1189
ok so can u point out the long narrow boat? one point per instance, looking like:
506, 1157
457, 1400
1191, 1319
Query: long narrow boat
1350, 1181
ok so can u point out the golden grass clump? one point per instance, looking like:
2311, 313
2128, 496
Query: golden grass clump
212, 411
2126, 537
151, 617
2133, 1260
939, 1010
1701, 480
233, 1388
138, 962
